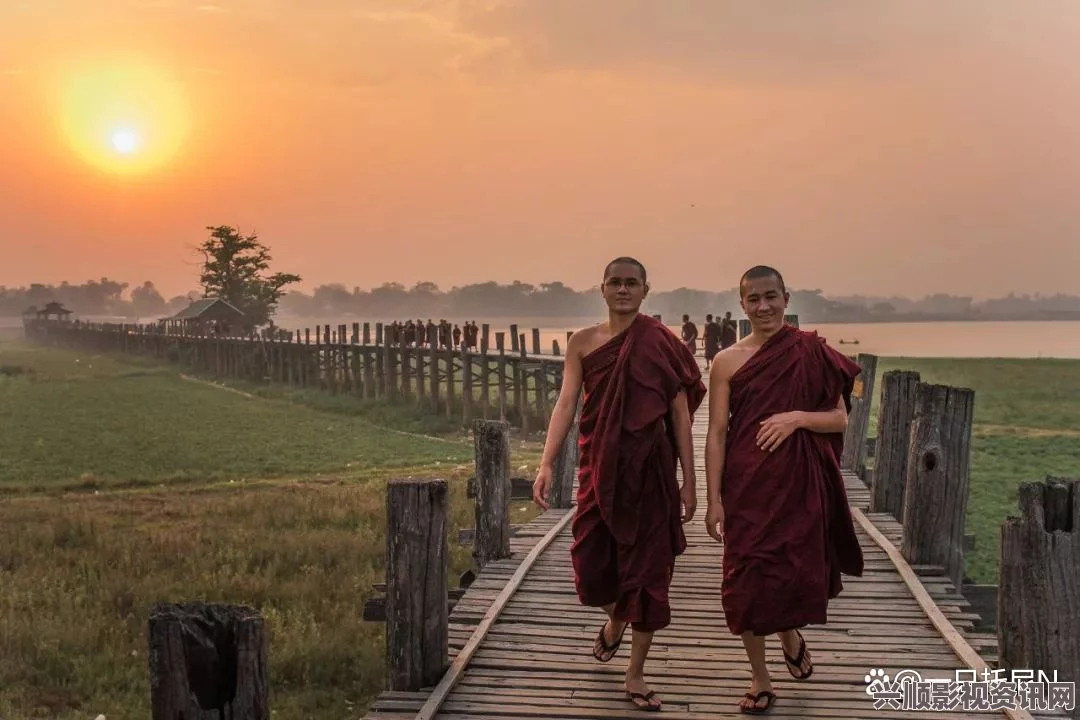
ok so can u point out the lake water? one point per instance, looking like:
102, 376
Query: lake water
925, 339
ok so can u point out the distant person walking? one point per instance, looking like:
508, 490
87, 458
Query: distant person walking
728, 332
689, 334
712, 339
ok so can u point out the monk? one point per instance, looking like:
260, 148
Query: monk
642, 387
689, 334
779, 400
712, 339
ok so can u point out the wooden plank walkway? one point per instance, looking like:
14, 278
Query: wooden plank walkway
536, 661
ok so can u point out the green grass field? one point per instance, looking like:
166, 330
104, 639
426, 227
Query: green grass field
1027, 426
123, 484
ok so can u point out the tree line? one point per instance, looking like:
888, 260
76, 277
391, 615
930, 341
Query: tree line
236, 267
106, 297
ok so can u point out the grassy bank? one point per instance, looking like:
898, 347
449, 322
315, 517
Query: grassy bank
123, 484
1027, 426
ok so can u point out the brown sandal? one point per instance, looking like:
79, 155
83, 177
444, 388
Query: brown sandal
648, 706
795, 663
768, 694
605, 649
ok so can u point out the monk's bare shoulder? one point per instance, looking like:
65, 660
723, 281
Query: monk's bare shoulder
728, 361
584, 341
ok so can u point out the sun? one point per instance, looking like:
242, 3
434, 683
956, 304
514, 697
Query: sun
124, 119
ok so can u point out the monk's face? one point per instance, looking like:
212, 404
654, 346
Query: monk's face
764, 301
623, 288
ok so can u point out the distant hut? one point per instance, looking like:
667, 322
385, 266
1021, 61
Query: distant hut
209, 316
53, 309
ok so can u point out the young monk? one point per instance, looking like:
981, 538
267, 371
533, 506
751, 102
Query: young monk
642, 387
778, 408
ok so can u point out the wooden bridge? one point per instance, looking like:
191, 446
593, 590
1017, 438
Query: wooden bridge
520, 644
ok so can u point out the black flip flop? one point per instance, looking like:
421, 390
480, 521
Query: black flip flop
647, 707
755, 710
604, 647
795, 663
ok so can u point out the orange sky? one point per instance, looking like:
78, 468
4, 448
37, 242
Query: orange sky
895, 146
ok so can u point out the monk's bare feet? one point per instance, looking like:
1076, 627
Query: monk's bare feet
641, 695
796, 655
608, 640
759, 699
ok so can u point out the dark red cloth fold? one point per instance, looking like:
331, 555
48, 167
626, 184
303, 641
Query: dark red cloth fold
788, 531
627, 528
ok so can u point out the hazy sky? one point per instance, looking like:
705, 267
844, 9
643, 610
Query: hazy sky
873, 146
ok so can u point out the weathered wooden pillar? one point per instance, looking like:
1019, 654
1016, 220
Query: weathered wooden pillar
466, 387
417, 617
514, 347
536, 341
862, 395
491, 441
566, 464
938, 478
207, 661
500, 364
1038, 627
893, 442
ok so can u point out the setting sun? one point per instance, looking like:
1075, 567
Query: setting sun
124, 119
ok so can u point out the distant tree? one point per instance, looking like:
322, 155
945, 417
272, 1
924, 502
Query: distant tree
236, 268
147, 301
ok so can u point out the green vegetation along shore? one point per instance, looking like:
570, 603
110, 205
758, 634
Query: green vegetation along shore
124, 483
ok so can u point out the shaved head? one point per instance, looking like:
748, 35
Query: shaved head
625, 261
759, 272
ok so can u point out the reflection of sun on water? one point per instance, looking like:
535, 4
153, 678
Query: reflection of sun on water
124, 119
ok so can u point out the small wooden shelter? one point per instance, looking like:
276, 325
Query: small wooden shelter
211, 316
52, 309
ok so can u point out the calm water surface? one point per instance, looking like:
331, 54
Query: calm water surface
925, 339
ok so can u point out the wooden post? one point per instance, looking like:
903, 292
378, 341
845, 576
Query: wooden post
854, 455
207, 661
938, 478
491, 441
433, 368
500, 345
466, 387
893, 441
514, 347
1039, 589
417, 630
536, 341
566, 465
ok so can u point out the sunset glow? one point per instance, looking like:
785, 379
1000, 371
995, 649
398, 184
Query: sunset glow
123, 119
373, 141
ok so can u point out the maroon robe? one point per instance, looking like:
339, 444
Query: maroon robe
788, 532
627, 528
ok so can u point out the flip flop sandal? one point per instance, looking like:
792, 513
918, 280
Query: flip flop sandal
606, 649
648, 706
795, 663
769, 694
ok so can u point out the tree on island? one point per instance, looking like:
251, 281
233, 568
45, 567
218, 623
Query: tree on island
235, 269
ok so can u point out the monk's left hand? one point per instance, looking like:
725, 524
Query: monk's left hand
688, 494
776, 429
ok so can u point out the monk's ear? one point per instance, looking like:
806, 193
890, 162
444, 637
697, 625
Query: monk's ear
646, 289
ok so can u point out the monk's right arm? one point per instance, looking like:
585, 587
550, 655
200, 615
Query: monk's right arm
562, 417
716, 437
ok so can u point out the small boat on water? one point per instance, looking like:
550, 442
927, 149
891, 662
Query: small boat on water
849, 342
